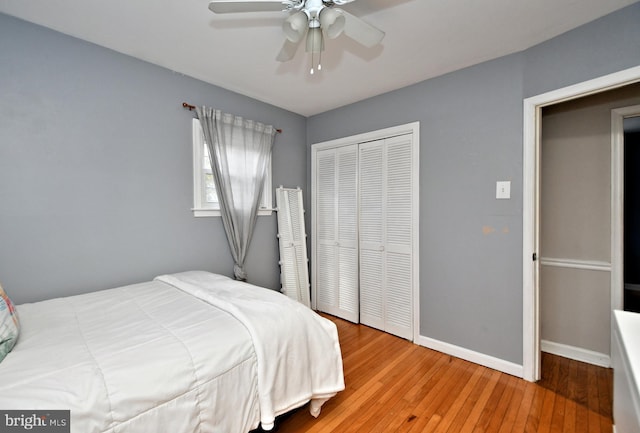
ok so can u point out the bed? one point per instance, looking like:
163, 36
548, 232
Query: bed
184, 353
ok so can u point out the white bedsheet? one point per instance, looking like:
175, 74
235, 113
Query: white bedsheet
150, 358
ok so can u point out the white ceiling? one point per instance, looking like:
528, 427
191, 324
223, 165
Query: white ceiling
424, 39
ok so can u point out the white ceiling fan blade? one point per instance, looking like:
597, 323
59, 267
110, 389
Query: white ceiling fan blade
231, 6
288, 50
361, 31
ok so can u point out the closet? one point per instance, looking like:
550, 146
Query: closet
364, 229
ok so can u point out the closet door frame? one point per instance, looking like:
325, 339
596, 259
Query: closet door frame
409, 128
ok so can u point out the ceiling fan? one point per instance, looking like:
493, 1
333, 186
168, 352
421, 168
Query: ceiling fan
307, 17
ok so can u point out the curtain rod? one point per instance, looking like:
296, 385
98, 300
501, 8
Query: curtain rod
193, 107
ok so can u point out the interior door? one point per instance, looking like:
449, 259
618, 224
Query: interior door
347, 233
399, 236
336, 283
386, 235
372, 234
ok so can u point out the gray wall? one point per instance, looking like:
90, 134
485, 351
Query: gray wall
471, 137
604, 46
95, 169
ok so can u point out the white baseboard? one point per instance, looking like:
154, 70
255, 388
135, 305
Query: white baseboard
577, 353
472, 356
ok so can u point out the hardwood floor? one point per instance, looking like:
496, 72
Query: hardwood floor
393, 385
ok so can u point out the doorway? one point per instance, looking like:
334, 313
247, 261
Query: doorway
630, 117
575, 225
531, 210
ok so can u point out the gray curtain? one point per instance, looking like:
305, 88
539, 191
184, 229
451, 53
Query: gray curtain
239, 150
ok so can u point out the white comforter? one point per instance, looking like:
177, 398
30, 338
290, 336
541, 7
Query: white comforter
150, 358
297, 351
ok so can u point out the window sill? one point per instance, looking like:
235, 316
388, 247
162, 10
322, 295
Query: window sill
216, 213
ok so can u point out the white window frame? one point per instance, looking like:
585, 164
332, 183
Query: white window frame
200, 207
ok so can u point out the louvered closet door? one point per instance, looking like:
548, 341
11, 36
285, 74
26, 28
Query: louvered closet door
386, 235
347, 242
372, 255
336, 264
399, 236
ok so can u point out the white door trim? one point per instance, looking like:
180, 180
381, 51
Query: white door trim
617, 202
530, 195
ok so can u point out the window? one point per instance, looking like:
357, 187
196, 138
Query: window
205, 199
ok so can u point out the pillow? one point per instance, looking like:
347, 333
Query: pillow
9, 325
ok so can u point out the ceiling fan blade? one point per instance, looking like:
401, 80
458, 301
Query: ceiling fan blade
231, 6
288, 50
361, 31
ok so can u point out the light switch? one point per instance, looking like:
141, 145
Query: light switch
503, 189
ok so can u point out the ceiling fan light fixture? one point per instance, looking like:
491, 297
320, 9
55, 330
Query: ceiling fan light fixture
332, 21
315, 40
295, 26
315, 45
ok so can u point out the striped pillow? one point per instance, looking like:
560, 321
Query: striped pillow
9, 325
